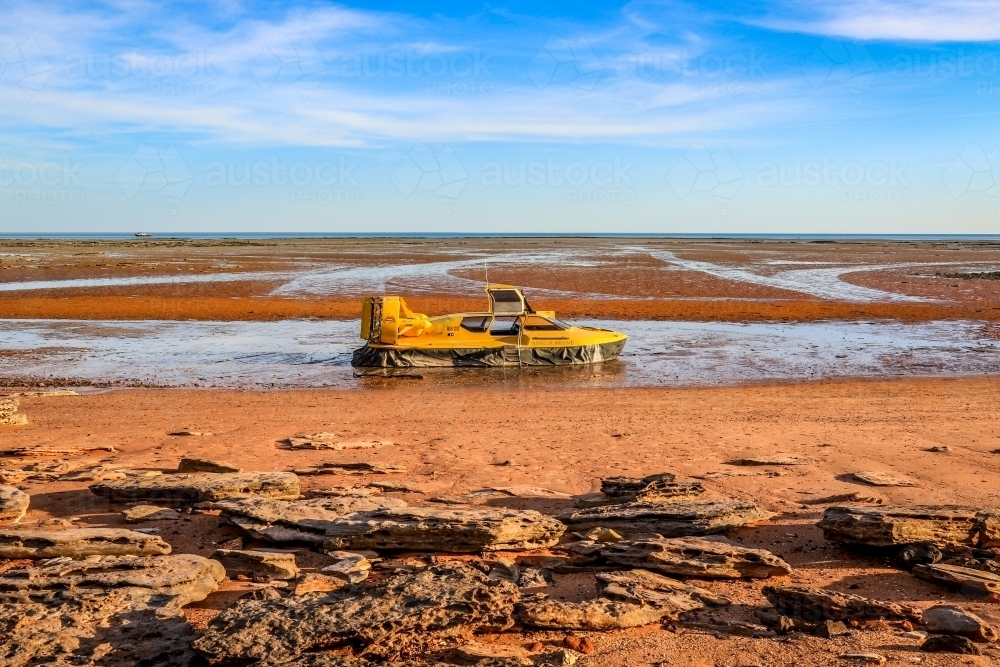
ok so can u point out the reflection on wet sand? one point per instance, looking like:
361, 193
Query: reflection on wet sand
316, 353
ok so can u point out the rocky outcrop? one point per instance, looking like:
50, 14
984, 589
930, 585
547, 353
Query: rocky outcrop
445, 529
632, 581
623, 489
78, 543
641, 591
598, 614
182, 577
676, 519
119, 629
185, 489
947, 619
441, 600
275, 565
658, 488
13, 504
817, 604
697, 557
387, 523
892, 525
193, 464
974, 583
950, 644
109, 611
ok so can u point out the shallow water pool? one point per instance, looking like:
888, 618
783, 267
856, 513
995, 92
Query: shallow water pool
317, 353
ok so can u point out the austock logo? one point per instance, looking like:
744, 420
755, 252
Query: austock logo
712, 172
436, 171
974, 171
151, 170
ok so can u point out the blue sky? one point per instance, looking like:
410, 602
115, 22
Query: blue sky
856, 116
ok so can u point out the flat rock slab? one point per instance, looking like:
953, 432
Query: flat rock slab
876, 478
947, 619
673, 603
634, 580
185, 578
853, 497
891, 525
57, 452
445, 529
300, 521
817, 604
974, 583
140, 513
599, 614
406, 607
272, 564
330, 441
78, 543
677, 519
773, 461
521, 491
719, 474
13, 503
193, 464
192, 488
387, 523
358, 468
697, 557
477, 654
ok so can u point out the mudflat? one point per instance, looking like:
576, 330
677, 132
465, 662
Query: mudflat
686, 279
549, 447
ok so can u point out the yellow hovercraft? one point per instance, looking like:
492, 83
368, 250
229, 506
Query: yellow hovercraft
510, 334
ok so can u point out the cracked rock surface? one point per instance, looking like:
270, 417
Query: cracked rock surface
79, 542
676, 519
387, 523
697, 557
889, 525
377, 619
185, 489
112, 611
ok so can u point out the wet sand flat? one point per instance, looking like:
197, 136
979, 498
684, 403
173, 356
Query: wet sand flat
565, 440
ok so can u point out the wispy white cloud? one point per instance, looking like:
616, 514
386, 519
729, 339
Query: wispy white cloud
904, 20
299, 79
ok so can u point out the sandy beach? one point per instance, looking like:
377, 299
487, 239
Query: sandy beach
451, 442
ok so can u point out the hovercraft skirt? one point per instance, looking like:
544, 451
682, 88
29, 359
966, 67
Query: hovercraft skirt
394, 357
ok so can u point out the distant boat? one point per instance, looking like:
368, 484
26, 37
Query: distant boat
143, 234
